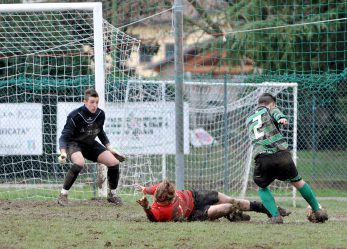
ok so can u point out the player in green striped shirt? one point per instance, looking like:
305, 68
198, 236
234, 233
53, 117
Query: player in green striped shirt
273, 160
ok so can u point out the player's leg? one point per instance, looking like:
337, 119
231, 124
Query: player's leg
318, 214
306, 192
77, 165
246, 205
286, 170
270, 204
77, 159
289, 172
113, 173
220, 210
263, 178
258, 207
239, 204
212, 205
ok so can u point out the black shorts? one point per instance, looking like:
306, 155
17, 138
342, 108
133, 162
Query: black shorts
269, 167
203, 199
90, 152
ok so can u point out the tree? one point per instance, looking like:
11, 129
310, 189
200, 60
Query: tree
274, 36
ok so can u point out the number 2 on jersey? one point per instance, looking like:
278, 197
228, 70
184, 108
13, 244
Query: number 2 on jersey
257, 126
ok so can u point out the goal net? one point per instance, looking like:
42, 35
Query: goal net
51, 53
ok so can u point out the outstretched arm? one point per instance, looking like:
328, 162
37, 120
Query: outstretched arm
143, 202
138, 187
146, 190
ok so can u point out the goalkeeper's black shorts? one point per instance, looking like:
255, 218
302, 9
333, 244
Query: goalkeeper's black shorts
269, 167
203, 199
90, 152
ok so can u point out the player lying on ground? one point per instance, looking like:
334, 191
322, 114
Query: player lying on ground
273, 160
189, 205
77, 141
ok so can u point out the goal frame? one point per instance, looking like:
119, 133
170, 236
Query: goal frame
96, 7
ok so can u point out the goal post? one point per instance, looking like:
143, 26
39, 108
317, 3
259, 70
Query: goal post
50, 54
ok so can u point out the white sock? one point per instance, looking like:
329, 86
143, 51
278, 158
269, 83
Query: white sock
114, 191
64, 191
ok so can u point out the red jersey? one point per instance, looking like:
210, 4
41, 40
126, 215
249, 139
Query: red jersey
178, 210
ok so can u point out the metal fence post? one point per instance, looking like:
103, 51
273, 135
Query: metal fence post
178, 25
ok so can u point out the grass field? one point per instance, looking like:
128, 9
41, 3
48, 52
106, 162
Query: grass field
37, 222
97, 224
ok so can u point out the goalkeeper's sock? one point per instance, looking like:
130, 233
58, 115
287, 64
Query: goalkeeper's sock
64, 191
113, 176
258, 207
71, 176
309, 196
268, 201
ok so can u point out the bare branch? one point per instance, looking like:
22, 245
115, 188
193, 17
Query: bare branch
203, 27
215, 30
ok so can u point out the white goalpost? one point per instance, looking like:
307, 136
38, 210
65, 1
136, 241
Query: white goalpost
50, 53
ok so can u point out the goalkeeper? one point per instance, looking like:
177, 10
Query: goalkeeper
189, 205
274, 161
77, 141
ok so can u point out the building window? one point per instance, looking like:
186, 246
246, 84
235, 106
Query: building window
147, 52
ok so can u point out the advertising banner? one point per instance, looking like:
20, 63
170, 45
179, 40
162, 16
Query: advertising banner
21, 129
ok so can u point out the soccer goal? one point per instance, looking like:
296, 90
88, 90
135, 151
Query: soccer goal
216, 144
50, 53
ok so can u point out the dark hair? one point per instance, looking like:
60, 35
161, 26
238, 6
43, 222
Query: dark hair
165, 191
90, 92
266, 99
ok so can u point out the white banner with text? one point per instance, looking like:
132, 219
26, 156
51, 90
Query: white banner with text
21, 129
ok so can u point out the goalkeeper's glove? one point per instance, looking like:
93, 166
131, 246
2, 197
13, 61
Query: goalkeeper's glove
117, 154
62, 158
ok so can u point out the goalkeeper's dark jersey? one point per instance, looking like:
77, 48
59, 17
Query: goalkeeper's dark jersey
83, 127
264, 132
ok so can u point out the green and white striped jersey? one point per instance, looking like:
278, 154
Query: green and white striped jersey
264, 132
